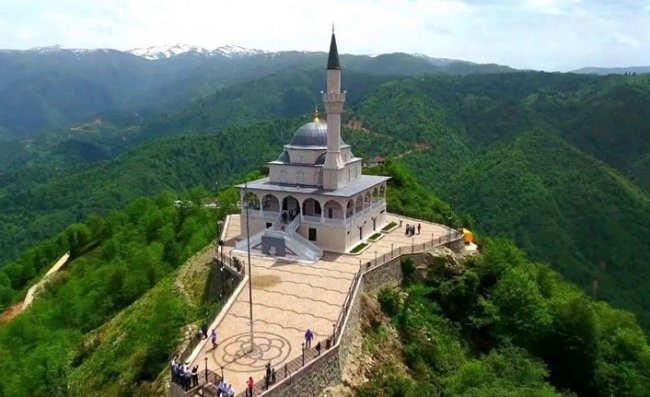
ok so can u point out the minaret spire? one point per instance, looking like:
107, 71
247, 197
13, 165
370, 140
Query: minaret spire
333, 99
333, 57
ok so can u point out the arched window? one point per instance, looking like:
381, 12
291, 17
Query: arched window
359, 205
311, 207
252, 201
321, 159
333, 210
270, 203
349, 210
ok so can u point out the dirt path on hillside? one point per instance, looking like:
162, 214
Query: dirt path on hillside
19, 307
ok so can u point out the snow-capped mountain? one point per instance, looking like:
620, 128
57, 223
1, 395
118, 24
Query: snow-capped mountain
168, 51
59, 48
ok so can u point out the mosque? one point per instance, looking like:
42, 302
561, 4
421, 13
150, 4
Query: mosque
315, 197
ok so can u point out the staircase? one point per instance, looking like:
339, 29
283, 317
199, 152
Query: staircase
300, 246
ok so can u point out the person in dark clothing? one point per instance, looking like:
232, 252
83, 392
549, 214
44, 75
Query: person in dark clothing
318, 348
309, 336
419, 227
195, 376
267, 376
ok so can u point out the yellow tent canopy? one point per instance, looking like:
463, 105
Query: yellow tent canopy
468, 236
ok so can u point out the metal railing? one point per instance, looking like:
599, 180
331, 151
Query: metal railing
293, 233
289, 368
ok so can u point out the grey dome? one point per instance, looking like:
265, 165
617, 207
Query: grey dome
284, 157
311, 134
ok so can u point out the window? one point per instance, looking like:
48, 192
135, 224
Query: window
269, 225
312, 234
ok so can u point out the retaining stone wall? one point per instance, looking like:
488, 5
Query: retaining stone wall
313, 378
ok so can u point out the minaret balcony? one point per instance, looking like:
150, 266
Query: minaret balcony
333, 97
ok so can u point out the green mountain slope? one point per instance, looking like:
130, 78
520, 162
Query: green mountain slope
129, 253
522, 154
562, 205
507, 151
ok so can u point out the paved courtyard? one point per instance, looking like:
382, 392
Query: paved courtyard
288, 298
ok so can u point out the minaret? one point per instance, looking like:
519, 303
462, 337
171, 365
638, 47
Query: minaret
333, 99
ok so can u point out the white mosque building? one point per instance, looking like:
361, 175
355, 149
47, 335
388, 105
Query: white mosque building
315, 198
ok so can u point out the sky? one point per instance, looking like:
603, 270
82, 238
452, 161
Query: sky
534, 34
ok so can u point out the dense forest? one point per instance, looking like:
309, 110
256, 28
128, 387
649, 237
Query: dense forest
500, 324
108, 323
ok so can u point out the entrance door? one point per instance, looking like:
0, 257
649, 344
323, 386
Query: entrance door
374, 224
312, 234
361, 233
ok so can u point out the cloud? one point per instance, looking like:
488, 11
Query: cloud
546, 34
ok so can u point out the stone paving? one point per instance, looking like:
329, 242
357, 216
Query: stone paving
288, 298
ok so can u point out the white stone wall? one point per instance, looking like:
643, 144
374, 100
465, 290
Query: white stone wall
294, 174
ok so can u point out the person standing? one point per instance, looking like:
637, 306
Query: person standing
267, 376
249, 387
309, 336
213, 338
195, 376
419, 227
174, 370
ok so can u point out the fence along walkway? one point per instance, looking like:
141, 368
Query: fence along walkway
313, 353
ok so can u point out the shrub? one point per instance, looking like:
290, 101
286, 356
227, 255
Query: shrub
389, 301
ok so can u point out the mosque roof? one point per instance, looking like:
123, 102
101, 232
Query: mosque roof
354, 187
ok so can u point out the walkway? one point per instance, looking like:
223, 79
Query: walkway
289, 298
32, 291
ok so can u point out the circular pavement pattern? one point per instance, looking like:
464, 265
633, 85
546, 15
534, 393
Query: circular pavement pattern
267, 347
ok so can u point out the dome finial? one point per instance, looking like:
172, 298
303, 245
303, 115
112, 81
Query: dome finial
316, 118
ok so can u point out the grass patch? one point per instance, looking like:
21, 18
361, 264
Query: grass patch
375, 236
358, 248
389, 227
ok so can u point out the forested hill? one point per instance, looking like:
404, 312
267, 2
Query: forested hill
54, 87
559, 163
555, 162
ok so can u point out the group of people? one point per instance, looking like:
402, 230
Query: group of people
269, 377
184, 376
290, 215
225, 389
410, 229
